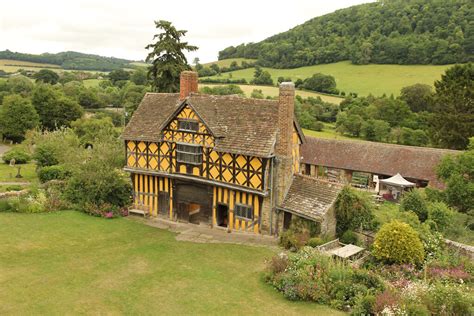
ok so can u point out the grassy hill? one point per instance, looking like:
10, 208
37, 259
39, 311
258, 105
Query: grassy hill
363, 79
9, 65
68, 60
227, 62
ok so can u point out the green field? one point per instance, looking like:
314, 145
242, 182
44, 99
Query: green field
363, 79
91, 82
273, 91
227, 62
15, 65
329, 132
72, 263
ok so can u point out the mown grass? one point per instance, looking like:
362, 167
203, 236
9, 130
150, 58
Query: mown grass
273, 92
362, 79
71, 263
28, 172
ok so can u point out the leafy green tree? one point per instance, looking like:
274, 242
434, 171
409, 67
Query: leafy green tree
262, 77
54, 109
17, 116
375, 130
46, 76
91, 130
139, 77
257, 94
119, 75
414, 201
391, 110
453, 108
321, 83
354, 210
167, 57
20, 85
223, 90
457, 172
88, 98
418, 97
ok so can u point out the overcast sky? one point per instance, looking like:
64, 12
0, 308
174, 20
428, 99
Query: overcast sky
123, 28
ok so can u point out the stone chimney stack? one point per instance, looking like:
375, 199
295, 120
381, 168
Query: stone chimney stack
286, 110
188, 84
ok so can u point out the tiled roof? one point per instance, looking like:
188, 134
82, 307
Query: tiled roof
241, 125
310, 197
378, 158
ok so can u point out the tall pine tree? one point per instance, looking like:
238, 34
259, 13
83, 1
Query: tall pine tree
167, 57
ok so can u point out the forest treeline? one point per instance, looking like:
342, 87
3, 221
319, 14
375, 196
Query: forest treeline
71, 60
383, 32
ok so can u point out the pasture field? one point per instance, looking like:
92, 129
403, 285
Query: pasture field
14, 65
362, 79
273, 92
91, 82
71, 263
329, 132
227, 62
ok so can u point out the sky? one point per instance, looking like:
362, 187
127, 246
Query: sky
123, 28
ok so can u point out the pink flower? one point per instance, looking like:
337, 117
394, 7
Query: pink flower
109, 215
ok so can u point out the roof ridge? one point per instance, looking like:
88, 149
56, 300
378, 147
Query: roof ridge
367, 142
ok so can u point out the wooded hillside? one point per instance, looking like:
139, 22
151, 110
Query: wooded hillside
384, 32
70, 60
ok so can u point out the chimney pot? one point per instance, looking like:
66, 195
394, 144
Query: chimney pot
188, 84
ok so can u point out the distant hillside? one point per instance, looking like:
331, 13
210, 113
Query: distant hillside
384, 32
70, 60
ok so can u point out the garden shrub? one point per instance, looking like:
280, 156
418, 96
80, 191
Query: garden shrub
449, 299
398, 242
13, 188
349, 237
415, 201
440, 214
45, 155
353, 211
299, 233
20, 156
310, 275
316, 241
56, 172
364, 305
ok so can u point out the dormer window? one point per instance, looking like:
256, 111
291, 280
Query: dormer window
188, 125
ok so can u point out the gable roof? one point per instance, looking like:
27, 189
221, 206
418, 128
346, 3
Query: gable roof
310, 197
239, 125
379, 158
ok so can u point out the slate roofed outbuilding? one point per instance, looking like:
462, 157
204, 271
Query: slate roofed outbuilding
309, 197
240, 125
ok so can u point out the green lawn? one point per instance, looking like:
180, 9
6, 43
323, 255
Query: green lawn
363, 79
71, 263
91, 82
7, 173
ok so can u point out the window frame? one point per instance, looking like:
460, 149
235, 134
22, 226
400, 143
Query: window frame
188, 121
248, 209
198, 154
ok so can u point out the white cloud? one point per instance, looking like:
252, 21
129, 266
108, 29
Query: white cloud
124, 28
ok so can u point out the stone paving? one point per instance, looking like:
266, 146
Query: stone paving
204, 234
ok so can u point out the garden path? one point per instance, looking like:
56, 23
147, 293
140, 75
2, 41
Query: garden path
206, 234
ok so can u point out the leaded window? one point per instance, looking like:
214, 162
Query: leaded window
187, 125
243, 211
189, 154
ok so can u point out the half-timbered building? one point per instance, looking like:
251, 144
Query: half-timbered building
225, 161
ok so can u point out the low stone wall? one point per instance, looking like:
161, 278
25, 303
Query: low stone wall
367, 238
10, 194
462, 248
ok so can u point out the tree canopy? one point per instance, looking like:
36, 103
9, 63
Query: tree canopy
17, 116
382, 32
167, 57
